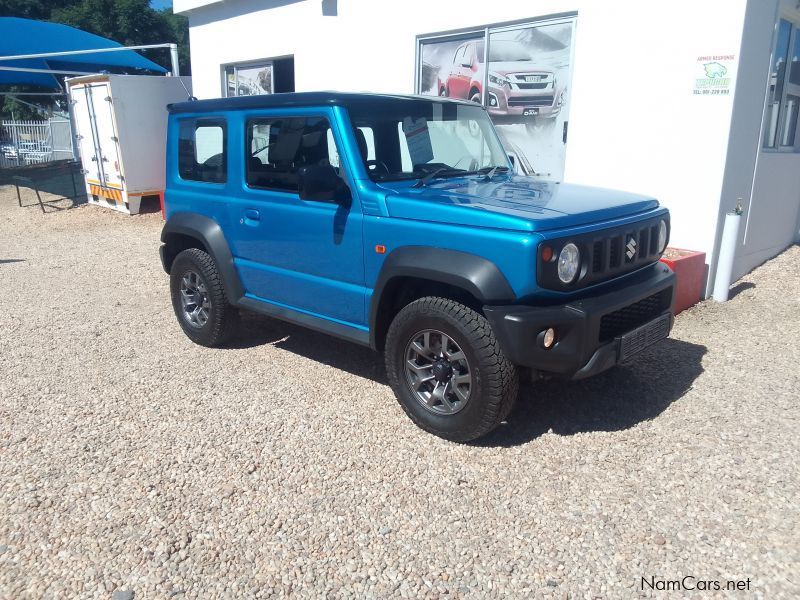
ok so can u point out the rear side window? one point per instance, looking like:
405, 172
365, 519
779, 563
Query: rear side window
277, 148
201, 150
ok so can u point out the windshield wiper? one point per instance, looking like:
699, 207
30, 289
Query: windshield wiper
423, 181
489, 172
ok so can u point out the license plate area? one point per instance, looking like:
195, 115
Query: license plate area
530, 112
643, 336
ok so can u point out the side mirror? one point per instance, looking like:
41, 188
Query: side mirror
322, 184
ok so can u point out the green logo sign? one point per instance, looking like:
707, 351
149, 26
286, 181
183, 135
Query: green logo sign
714, 70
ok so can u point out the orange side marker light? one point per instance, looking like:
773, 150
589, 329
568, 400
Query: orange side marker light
380, 249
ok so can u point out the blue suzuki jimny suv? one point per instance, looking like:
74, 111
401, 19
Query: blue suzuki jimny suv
397, 223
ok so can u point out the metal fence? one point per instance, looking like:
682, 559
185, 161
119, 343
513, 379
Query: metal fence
34, 142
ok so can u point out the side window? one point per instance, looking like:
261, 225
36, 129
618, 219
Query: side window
333, 154
201, 150
365, 137
278, 147
469, 54
459, 56
782, 114
405, 155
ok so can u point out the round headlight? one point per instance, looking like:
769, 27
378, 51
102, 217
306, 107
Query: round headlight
662, 236
568, 262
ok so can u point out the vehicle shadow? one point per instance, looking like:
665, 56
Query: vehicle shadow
258, 330
612, 401
618, 399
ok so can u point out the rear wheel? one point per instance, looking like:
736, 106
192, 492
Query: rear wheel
448, 371
199, 299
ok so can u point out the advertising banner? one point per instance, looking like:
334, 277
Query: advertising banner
526, 86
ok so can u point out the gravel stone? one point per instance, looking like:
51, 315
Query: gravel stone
132, 461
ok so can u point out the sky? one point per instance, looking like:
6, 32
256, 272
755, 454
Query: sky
159, 4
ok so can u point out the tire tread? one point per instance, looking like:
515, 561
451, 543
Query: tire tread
500, 382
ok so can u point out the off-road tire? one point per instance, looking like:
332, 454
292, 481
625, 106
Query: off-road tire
495, 381
223, 319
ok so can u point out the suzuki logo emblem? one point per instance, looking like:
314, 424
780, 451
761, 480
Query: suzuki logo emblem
631, 246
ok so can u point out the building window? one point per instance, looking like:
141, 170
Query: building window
201, 150
261, 77
783, 99
278, 148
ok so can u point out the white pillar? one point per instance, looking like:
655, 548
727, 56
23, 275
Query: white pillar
727, 252
173, 56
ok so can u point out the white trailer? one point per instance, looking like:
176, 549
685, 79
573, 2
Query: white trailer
121, 130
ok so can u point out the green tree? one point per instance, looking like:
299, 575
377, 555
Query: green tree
131, 23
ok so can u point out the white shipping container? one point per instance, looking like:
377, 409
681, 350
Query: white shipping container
121, 130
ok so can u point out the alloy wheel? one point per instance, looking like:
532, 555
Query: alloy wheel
437, 372
195, 302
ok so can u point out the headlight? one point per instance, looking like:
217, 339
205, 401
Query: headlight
662, 236
498, 79
568, 262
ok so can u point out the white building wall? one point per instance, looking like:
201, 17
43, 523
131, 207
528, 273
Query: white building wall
369, 46
635, 123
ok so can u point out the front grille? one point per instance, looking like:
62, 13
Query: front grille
615, 247
531, 101
605, 253
597, 257
632, 316
533, 86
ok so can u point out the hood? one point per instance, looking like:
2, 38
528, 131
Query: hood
517, 66
511, 202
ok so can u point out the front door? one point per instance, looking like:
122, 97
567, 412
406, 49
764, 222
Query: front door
299, 254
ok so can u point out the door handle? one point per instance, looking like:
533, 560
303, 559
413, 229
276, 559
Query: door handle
251, 217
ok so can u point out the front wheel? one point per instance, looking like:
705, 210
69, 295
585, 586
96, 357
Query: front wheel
448, 371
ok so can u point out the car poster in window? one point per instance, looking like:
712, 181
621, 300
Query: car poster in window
254, 80
527, 86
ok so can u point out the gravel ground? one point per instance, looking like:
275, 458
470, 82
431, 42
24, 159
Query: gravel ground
135, 464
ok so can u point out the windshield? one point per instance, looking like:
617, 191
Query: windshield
410, 139
504, 51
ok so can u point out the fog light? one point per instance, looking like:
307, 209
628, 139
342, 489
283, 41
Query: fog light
549, 337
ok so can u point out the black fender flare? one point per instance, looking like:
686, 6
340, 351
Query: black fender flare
472, 273
209, 233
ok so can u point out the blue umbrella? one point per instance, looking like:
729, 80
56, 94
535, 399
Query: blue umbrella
20, 37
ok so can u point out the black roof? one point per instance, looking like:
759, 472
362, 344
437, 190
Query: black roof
300, 99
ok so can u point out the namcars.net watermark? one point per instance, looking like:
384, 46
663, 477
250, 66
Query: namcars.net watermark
691, 583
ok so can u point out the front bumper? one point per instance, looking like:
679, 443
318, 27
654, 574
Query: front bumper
504, 101
589, 330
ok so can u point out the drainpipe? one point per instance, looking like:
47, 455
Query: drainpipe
727, 252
